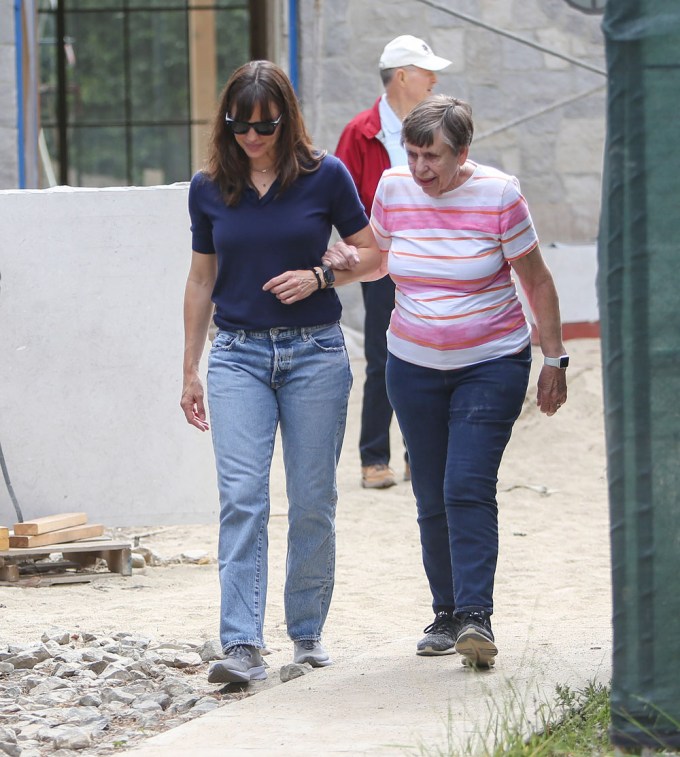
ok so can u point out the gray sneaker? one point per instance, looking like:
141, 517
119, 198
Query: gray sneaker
475, 641
241, 663
440, 636
312, 652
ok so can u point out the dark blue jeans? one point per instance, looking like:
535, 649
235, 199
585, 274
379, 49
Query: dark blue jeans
376, 411
457, 424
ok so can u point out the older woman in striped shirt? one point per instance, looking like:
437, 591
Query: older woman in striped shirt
453, 232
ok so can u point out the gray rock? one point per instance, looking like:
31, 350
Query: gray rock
116, 672
66, 737
176, 688
83, 716
206, 704
98, 667
31, 750
159, 697
90, 700
56, 634
92, 654
183, 660
92, 691
182, 704
211, 650
137, 561
29, 658
117, 695
146, 705
196, 557
66, 670
56, 697
294, 670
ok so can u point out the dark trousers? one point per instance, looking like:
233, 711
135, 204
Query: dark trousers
457, 424
376, 411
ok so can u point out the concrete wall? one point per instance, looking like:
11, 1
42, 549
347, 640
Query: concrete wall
9, 176
557, 156
91, 357
91, 340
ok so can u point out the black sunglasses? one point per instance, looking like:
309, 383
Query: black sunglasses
263, 128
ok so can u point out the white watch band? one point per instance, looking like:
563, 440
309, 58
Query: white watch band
557, 362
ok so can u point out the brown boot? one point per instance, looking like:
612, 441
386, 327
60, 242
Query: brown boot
377, 476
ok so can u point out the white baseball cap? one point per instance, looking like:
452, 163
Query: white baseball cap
411, 51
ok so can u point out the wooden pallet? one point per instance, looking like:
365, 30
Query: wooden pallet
80, 557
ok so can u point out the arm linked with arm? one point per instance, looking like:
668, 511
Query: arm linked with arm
293, 286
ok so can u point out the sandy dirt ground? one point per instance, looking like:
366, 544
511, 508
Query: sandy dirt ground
553, 533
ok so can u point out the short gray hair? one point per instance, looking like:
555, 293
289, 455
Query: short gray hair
386, 75
451, 116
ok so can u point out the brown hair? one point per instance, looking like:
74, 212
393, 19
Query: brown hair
262, 83
439, 112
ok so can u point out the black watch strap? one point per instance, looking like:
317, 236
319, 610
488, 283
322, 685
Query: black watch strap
328, 275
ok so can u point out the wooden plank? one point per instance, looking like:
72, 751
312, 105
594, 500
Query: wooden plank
49, 523
96, 544
4, 538
57, 537
9, 573
48, 580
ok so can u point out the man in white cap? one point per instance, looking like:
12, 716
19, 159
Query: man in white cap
369, 144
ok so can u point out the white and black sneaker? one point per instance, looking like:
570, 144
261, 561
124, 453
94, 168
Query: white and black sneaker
440, 636
475, 641
242, 663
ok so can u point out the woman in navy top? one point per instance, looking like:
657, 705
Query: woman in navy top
262, 212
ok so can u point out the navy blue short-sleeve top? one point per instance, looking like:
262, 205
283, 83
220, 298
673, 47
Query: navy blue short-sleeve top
262, 237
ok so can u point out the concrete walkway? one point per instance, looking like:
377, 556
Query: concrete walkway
391, 702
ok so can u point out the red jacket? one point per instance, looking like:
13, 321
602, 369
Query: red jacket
363, 153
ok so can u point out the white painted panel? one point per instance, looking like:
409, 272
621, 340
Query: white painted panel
91, 356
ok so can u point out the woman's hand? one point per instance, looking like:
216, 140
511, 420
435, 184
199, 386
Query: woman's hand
292, 286
192, 402
341, 256
552, 389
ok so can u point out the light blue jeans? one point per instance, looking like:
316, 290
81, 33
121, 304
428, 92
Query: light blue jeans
298, 378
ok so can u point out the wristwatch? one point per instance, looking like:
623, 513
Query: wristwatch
328, 276
557, 362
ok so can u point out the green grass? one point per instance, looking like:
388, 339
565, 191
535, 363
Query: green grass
575, 724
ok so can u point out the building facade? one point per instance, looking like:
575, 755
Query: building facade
126, 99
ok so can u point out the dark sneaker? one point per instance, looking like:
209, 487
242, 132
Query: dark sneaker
475, 641
241, 664
440, 636
312, 652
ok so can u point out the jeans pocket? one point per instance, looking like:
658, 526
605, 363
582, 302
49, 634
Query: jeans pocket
330, 339
224, 340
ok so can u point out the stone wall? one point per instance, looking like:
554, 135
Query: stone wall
557, 155
8, 98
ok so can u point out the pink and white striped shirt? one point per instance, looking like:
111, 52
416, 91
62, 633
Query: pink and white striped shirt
456, 302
